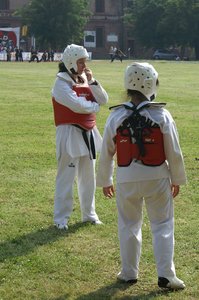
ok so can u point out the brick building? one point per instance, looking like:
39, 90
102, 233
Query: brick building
104, 29
7, 8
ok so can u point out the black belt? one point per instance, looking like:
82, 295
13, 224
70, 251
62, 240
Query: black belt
91, 145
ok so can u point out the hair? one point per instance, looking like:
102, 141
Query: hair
62, 67
133, 94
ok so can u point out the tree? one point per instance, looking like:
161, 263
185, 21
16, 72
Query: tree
180, 24
144, 16
165, 23
55, 23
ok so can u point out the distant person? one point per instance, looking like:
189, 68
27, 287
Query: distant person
129, 52
48, 55
8, 52
150, 167
77, 97
20, 54
16, 54
118, 54
52, 53
34, 55
44, 57
111, 52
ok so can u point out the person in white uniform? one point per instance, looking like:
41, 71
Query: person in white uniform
76, 97
150, 168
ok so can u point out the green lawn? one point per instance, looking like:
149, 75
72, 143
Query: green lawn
37, 261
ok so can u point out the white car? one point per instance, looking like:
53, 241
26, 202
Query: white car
164, 54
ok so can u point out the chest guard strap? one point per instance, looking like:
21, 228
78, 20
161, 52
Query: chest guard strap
138, 138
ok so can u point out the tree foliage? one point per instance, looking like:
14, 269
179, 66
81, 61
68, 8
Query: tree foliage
55, 23
164, 23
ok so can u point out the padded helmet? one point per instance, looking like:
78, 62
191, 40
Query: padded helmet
142, 77
70, 56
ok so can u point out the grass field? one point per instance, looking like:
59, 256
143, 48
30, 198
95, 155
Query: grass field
37, 261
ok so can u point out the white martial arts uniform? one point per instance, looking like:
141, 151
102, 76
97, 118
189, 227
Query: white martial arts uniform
137, 182
72, 153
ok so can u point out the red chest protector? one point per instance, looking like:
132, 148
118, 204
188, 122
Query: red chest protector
139, 139
64, 115
153, 145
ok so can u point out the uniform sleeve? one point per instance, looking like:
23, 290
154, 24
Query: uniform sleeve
174, 154
63, 94
106, 159
99, 93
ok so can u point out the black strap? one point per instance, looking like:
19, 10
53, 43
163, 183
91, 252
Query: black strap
133, 107
137, 125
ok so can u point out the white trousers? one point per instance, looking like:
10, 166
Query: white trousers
159, 205
68, 169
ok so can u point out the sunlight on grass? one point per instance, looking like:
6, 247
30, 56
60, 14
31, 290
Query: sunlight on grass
39, 262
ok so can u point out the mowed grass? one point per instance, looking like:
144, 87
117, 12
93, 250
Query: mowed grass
42, 263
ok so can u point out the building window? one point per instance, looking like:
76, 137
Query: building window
4, 4
99, 37
90, 39
99, 6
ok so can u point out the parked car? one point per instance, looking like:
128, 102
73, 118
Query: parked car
165, 54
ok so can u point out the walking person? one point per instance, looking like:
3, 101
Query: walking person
118, 54
111, 52
77, 97
150, 168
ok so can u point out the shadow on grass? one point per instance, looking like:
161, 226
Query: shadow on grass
28, 242
108, 293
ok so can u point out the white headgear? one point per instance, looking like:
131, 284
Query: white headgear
142, 77
70, 56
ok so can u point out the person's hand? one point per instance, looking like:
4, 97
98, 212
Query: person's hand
175, 190
88, 73
108, 191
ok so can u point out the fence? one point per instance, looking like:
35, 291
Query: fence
27, 55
